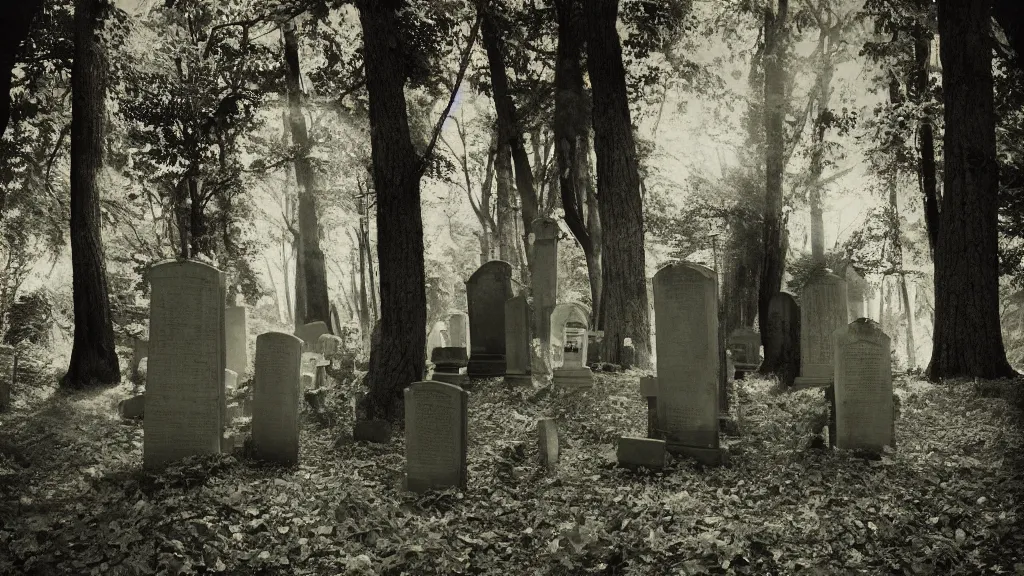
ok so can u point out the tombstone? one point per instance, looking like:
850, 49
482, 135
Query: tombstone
236, 334
856, 294
782, 338
310, 335
745, 345
307, 382
518, 344
649, 390
436, 337
487, 290
275, 398
185, 398
450, 365
140, 350
436, 434
547, 442
330, 345
594, 338
569, 346
863, 387
686, 313
628, 355
544, 275
458, 330
822, 312
632, 452
8, 364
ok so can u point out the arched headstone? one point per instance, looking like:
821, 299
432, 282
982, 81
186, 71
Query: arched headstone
486, 291
863, 387
436, 434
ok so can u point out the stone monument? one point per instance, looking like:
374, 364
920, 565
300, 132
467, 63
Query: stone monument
436, 434
823, 310
486, 292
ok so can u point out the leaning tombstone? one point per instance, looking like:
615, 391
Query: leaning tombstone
547, 442
822, 311
275, 398
450, 365
745, 345
436, 434
310, 334
518, 349
185, 398
863, 387
487, 290
635, 453
686, 312
569, 323
236, 335
782, 339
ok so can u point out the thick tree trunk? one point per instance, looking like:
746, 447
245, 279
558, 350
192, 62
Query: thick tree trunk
399, 359
626, 313
17, 17
911, 341
572, 148
968, 341
1010, 16
824, 92
508, 236
926, 144
314, 271
774, 235
299, 310
93, 357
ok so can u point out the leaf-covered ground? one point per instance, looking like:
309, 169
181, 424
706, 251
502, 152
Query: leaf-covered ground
74, 501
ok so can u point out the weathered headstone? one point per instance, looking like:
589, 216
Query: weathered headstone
436, 434
822, 311
275, 398
649, 390
745, 344
863, 387
436, 338
236, 334
569, 341
628, 355
547, 442
634, 452
544, 276
450, 365
458, 330
518, 347
140, 350
310, 335
782, 331
487, 290
686, 310
856, 294
185, 398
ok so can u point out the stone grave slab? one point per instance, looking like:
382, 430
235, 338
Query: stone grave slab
487, 290
236, 335
518, 348
547, 442
632, 452
450, 365
185, 396
436, 434
863, 387
823, 310
276, 398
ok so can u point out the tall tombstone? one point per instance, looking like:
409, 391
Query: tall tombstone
276, 398
569, 324
436, 435
686, 312
185, 397
236, 333
458, 330
782, 338
310, 334
486, 291
518, 344
863, 387
822, 311
544, 275
856, 294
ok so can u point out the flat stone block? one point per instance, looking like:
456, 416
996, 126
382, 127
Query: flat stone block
706, 456
374, 431
486, 366
574, 378
633, 452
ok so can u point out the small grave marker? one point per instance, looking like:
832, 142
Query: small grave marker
436, 434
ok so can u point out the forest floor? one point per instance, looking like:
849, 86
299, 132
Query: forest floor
73, 499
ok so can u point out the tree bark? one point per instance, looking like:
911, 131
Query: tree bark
399, 359
823, 94
572, 148
968, 341
926, 146
314, 270
774, 235
17, 18
626, 313
93, 357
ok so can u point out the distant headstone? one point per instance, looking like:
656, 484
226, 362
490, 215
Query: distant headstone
487, 290
547, 442
230, 380
634, 452
458, 330
330, 345
310, 335
436, 337
686, 312
307, 382
782, 331
569, 324
544, 275
518, 346
185, 397
863, 387
450, 365
822, 311
133, 408
856, 294
745, 344
275, 398
140, 350
649, 390
436, 434
236, 335
372, 431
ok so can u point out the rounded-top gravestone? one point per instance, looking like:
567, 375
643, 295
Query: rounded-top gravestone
486, 291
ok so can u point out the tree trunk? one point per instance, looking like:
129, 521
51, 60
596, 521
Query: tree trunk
318, 305
968, 340
774, 235
926, 146
508, 246
626, 313
17, 18
572, 149
823, 88
399, 359
93, 357
911, 342
299, 314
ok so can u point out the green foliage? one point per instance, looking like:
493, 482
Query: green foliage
30, 318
